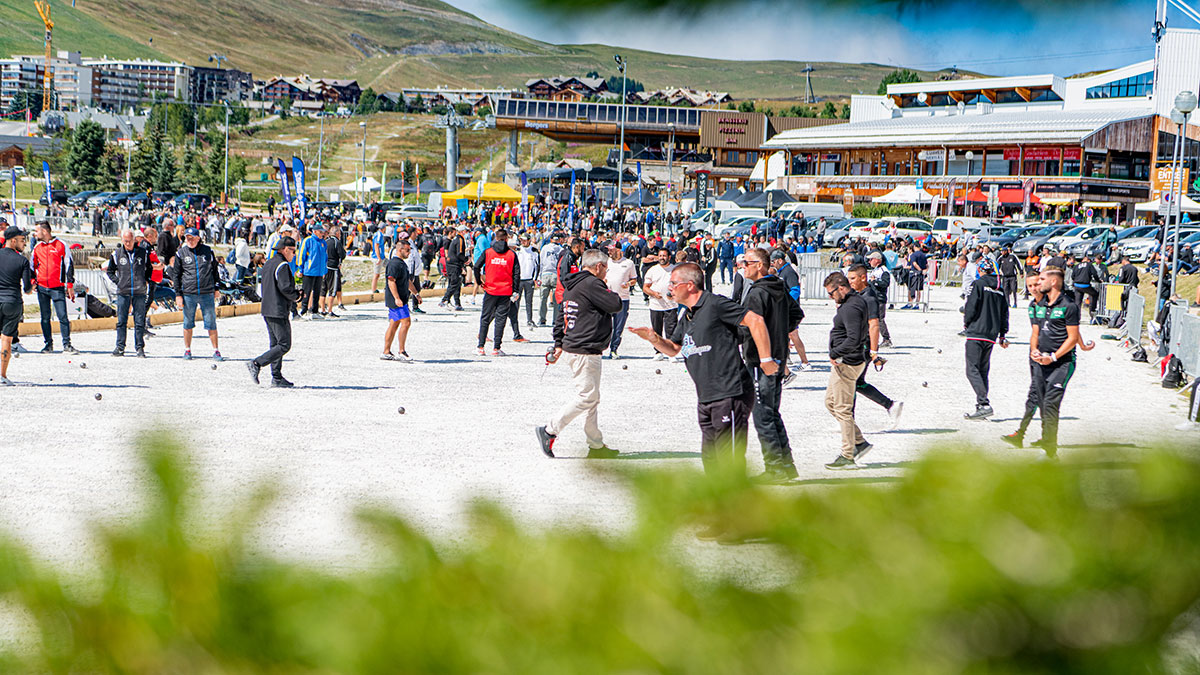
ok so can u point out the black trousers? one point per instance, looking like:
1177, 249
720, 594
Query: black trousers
495, 308
279, 332
772, 435
454, 282
979, 364
663, 322
1009, 286
709, 269
869, 392
310, 289
723, 427
1046, 390
1090, 292
514, 308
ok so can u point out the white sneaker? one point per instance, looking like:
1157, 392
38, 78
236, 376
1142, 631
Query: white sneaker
497, 352
676, 359
659, 356
804, 367
894, 413
403, 357
387, 356
5, 382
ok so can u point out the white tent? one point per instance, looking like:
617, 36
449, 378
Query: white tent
360, 185
905, 194
1189, 205
768, 169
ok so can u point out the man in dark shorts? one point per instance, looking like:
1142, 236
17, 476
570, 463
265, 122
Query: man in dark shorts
918, 263
15, 279
335, 253
397, 289
707, 336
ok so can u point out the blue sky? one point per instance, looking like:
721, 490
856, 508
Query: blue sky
1022, 36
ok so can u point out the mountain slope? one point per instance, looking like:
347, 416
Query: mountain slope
387, 44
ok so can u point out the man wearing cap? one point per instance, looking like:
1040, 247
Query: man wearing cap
129, 269
15, 279
335, 253
879, 279
279, 296
313, 260
194, 276
985, 323
529, 260
500, 273
55, 278
548, 263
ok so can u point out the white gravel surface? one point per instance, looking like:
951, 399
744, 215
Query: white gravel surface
337, 442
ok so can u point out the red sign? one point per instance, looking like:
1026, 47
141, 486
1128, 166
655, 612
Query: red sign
1041, 154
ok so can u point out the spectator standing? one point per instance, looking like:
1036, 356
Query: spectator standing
396, 296
313, 267
129, 269
846, 356
194, 276
663, 309
15, 280
620, 276
54, 275
985, 323
498, 269
279, 297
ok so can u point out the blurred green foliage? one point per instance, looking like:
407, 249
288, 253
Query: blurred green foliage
964, 565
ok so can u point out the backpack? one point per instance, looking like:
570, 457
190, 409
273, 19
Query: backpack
1139, 355
1173, 375
231, 259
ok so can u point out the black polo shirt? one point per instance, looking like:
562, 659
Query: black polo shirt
1053, 319
708, 336
397, 269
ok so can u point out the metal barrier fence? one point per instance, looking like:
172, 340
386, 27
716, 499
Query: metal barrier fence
812, 280
1135, 317
58, 223
1185, 339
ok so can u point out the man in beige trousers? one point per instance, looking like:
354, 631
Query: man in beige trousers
847, 358
581, 333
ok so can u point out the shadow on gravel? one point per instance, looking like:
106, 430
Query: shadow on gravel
658, 455
849, 480
340, 387
804, 389
919, 431
446, 361
76, 385
1018, 419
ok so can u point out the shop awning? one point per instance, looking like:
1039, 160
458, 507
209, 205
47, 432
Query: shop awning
1005, 196
1101, 205
1056, 201
1188, 204
905, 194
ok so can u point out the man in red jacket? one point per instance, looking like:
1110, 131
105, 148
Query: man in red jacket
55, 278
500, 273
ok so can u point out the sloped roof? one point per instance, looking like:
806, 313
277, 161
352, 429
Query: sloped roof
1027, 126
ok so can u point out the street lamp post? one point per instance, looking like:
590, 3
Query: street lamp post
970, 155
621, 148
225, 192
1169, 196
1185, 103
363, 173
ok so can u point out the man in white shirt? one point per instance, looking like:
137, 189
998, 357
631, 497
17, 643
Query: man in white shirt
662, 308
620, 277
529, 261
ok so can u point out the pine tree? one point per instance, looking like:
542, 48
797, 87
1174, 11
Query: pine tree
112, 169
214, 174
148, 155
166, 176
86, 151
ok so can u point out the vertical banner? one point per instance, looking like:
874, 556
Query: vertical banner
301, 196
639, 168
701, 190
46, 175
571, 205
524, 201
383, 182
950, 198
13, 176
283, 185
417, 179
1027, 193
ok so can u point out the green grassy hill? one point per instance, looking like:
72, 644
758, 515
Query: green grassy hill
387, 44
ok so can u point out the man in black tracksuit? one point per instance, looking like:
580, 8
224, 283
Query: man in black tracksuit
1010, 267
768, 297
582, 331
456, 261
279, 296
985, 323
879, 279
1127, 278
1055, 335
1084, 276
129, 269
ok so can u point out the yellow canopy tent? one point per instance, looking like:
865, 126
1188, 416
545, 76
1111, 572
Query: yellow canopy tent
492, 192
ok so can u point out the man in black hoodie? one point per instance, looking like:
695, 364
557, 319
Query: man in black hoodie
847, 359
985, 323
768, 297
583, 329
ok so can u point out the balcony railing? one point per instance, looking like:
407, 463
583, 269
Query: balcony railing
636, 116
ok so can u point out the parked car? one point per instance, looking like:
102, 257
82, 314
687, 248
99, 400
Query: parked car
999, 236
1084, 234
97, 199
742, 226
1139, 248
79, 198
58, 196
855, 227
162, 198
1038, 239
117, 198
398, 212
946, 228
899, 227
191, 200
138, 198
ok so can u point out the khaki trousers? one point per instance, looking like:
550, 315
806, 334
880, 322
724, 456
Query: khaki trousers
585, 374
839, 400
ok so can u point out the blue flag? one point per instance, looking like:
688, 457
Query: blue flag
283, 185
301, 197
524, 201
571, 204
46, 174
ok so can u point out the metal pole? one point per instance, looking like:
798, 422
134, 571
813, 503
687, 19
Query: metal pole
225, 192
363, 185
1179, 202
320, 147
1167, 223
621, 147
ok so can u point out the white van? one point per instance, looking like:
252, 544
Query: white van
813, 211
950, 227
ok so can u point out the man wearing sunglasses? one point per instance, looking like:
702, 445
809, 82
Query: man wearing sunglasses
707, 335
847, 356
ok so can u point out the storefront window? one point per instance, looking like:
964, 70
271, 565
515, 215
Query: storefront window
1070, 167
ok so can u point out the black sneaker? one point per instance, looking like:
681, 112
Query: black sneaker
141, 353
281, 383
149, 333
1014, 439
254, 369
776, 474
118, 352
48, 349
602, 452
546, 439
418, 310
981, 412
861, 450
69, 349
841, 463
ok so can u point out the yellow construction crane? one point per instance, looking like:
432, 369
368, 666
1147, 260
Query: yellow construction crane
43, 8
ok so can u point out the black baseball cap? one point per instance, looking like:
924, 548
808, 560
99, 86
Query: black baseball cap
285, 242
12, 232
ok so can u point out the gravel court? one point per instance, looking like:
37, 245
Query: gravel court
337, 442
